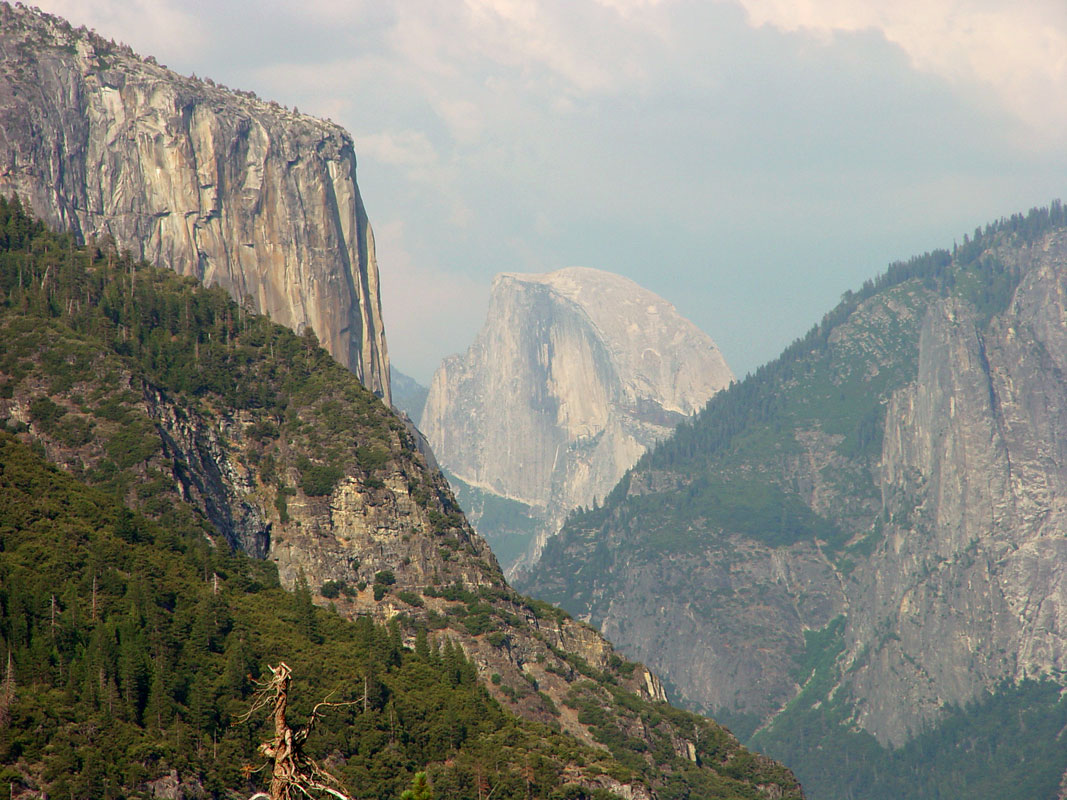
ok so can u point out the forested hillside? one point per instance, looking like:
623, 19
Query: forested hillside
857, 549
170, 462
131, 648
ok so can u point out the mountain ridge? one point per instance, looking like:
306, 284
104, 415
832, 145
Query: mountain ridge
880, 503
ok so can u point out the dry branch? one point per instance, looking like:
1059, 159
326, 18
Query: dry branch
294, 775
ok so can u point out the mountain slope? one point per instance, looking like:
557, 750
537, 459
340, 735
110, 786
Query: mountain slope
133, 647
224, 429
864, 534
215, 184
574, 374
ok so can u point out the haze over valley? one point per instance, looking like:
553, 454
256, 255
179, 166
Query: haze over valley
474, 522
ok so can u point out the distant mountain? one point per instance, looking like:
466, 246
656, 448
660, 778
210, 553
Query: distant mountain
857, 556
220, 185
409, 395
575, 373
170, 461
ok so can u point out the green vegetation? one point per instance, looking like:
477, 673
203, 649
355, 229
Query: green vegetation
89, 340
334, 589
134, 632
1007, 744
420, 788
756, 509
806, 431
133, 648
820, 650
411, 598
317, 480
614, 716
819, 383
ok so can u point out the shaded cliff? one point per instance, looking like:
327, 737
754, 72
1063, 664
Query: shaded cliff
861, 547
573, 376
228, 429
215, 184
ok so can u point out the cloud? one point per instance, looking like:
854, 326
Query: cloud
522, 35
747, 159
151, 27
409, 149
1017, 50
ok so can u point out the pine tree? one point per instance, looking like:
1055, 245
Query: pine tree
304, 609
420, 788
158, 708
422, 645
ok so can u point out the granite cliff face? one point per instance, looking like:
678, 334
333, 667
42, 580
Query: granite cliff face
972, 577
216, 184
574, 375
867, 535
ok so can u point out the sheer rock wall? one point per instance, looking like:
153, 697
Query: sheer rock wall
215, 184
574, 375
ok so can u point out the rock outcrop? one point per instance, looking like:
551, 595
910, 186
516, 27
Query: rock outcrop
574, 375
237, 192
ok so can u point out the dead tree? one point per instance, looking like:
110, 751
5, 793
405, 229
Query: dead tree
294, 775
7, 692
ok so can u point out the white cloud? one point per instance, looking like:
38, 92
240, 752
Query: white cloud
687, 143
1017, 50
408, 149
521, 34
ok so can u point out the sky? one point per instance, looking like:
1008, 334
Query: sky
747, 160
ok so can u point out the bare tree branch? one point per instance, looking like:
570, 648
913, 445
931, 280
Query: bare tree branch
293, 773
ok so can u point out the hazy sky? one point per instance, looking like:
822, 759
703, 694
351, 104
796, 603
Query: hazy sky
748, 160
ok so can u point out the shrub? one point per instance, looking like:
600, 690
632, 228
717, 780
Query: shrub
263, 430
477, 624
46, 413
333, 589
133, 443
497, 638
371, 458
550, 706
280, 502
318, 480
75, 431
